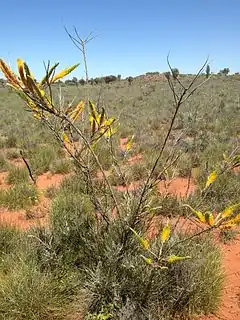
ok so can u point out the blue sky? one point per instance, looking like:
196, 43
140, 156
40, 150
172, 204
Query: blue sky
133, 37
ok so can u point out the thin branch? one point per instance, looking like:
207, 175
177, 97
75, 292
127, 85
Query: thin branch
28, 167
178, 102
81, 43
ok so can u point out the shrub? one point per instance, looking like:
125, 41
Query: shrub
228, 235
11, 142
41, 158
26, 293
20, 196
51, 192
9, 238
12, 154
3, 163
72, 223
130, 80
60, 166
17, 175
137, 171
188, 288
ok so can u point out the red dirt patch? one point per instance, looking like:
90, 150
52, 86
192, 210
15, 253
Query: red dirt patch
236, 171
179, 187
123, 142
47, 180
135, 159
37, 214
131, 187
230, 307
25, 219
100, 174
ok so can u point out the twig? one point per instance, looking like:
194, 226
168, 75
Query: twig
28, 167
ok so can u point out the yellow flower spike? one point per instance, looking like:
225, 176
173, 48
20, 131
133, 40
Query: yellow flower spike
10, 75
211, 178
144, 243
102, 117
227, 225
173, 259
111, 131
64, 73
75, 114
27, 71
66, 138
235, 220
130, 144
147, 260
93, 126
37, 116
109, 122
94, 114
229, 210
199, 215
21, 71
165, 234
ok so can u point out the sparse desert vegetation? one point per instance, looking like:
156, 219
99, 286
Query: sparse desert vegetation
114, 207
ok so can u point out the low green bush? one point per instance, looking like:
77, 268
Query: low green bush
20, 196
3, 163
62, 166
17, 175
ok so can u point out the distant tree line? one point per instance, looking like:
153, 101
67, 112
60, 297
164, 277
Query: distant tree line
98, 80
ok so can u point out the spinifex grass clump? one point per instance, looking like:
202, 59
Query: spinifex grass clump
94, 228
20, 196
17, 175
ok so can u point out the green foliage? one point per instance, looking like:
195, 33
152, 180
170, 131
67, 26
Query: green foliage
130, 80
228, 235
41, 158
104, 314
60, 166
175, 73
3, 163
51, 192
12, 154
81, 82
109, 79
26, 293
186, 288
17, 175
224, 71
9, 237
72, 222
20, 196
11, 141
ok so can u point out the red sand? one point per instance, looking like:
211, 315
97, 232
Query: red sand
48, 180
19, 219
230, 307
39, 212
179, 187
